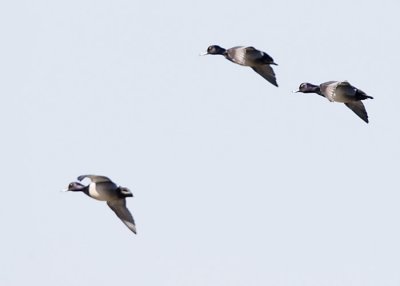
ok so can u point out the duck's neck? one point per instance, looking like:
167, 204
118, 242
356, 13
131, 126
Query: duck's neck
220, 51
85, 190
318, 91
314, 89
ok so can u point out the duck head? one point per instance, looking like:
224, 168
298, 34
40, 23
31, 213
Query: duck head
306, 87
214, 50
75, 187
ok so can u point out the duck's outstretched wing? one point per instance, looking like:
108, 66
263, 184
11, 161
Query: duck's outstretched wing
120, 209
266, 72
94, 178
359, 109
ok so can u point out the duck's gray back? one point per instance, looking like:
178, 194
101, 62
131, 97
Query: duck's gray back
339, 91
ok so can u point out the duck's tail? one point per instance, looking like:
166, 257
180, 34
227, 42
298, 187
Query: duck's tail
362, 95
124, 192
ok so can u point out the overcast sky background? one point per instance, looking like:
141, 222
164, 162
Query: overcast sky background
236, 182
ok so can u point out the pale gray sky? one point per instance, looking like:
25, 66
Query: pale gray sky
236, 182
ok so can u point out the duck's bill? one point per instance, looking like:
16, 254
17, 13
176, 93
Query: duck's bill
294, 91
203, 54
64, 190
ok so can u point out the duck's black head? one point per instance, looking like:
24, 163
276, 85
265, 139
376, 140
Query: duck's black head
75, 187
306, 87
215, 50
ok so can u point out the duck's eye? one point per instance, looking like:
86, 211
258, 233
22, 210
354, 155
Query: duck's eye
70, 185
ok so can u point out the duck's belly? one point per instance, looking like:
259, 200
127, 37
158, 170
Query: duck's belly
100, 194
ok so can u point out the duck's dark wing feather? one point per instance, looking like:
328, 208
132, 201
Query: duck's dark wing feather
254, 55
266, 72
120, 209
359, 109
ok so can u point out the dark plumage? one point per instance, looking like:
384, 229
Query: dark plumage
259, 61
340, 91
103, 189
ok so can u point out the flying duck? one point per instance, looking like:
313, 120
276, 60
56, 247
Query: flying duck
259, 61
340, 91
103, 189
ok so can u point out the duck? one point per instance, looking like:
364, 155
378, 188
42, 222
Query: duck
103, 189
340, 91
258, 60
